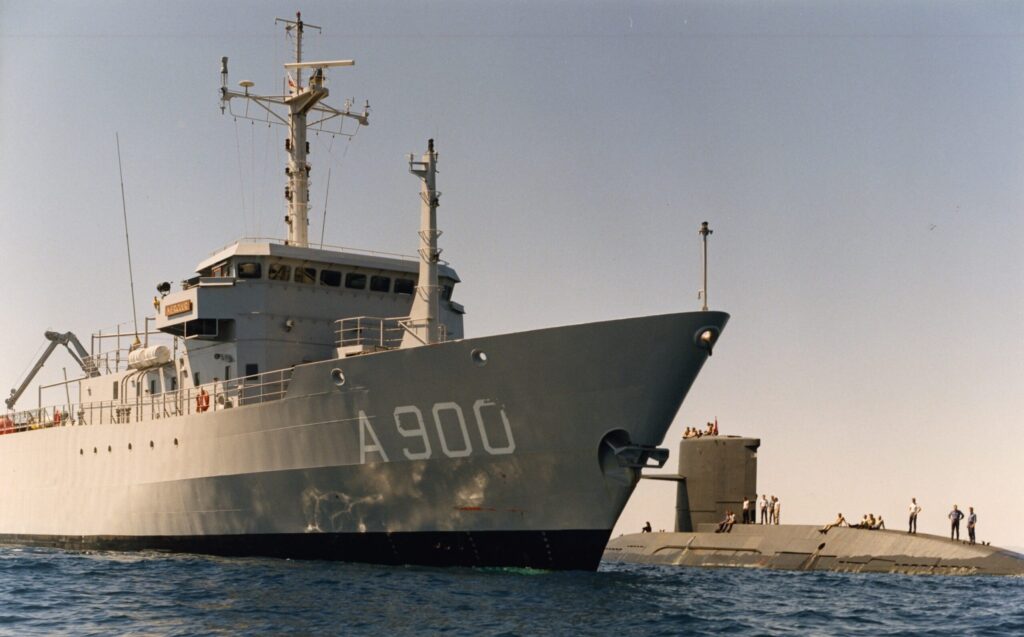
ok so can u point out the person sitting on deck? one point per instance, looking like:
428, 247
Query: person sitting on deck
725, 526
840, 520
879, 524
646, 528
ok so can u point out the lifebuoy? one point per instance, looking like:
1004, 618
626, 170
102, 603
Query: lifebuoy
202, 401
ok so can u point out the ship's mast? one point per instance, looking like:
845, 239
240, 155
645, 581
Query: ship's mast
423, 326
297, 191
704, 232
299, 101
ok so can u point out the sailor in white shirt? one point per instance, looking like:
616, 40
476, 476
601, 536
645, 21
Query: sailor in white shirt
914, 510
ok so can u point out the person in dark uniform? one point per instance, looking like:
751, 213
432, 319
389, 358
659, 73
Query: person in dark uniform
954, 519
647, 527
972, 519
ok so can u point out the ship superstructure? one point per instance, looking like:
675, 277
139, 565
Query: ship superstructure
304, 401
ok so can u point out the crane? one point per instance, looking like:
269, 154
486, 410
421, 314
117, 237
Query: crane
74, 346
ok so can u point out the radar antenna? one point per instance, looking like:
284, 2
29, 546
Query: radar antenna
298, 102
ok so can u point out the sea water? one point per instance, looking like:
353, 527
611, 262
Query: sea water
46, 592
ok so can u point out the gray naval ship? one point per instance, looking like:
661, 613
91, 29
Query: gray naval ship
716, 474
307, 402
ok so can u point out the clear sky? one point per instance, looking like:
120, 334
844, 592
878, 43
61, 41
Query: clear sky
861, 165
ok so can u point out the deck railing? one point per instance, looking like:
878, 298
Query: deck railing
208, 398
369, 332
361, 334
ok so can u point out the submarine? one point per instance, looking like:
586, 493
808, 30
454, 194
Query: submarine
715, 475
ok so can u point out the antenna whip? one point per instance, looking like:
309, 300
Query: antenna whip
124, 210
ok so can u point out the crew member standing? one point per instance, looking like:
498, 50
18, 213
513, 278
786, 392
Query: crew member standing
954, 518
777, 510
914, 510
746, 510
764, 508
972, 519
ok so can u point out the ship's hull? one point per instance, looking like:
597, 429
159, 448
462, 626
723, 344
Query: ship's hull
425, 456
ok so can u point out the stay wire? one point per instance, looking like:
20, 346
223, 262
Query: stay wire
124, 210
241, 176
327, 190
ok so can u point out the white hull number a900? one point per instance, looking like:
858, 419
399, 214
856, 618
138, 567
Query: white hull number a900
453, 436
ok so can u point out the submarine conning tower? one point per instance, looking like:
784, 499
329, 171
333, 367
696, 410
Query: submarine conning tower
715, 474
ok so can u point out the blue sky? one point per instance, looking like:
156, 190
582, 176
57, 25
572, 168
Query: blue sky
861, 164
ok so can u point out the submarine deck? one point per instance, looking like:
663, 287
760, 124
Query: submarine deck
804, 548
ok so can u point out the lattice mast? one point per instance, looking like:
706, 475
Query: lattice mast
298, 102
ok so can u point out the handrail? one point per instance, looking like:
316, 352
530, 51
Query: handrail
220, 395
373, 333
325, 246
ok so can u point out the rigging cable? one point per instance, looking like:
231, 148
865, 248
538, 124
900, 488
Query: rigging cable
327, 190
124, 210
241, 180
35, 357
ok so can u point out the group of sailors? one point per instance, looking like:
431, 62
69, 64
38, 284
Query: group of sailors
771, 510
771, 513
869, 521
694, 432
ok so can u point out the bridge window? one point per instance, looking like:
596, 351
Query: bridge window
249, 270
380, 283
305, 275
404, 286
279, 272
330, 278
446, 292
221, 269
355, 280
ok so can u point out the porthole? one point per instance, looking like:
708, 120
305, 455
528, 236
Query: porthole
150, 444
109, 448
338, 377
129, 446
95, 450
81, 452
479, 357
175, 442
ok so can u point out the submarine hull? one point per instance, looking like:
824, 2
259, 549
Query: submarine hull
804, 548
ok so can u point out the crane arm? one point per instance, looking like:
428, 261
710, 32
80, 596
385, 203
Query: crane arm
74, 346
16, 393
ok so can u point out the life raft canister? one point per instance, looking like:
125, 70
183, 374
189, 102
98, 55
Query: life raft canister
202, 401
